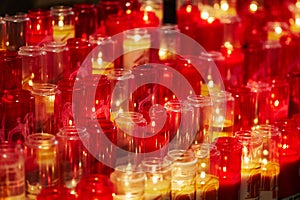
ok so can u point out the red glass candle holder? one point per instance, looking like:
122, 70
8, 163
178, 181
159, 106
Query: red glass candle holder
294, 82
273, 60
145, 19
95, 187
11, 71
289, 158
130, 6
16, 30
209, 34
103, 138
233, 64
2, 33
56, 192
187, 13
230, 167
17, 115
115, 24
78, 50
242, 114
86, 20
107, 8
280, 96
40, 27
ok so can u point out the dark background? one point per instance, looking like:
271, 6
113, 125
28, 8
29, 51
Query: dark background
11, 7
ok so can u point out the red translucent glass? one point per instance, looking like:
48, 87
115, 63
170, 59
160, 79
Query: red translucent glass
115, 24
230, 167
130, 6
145, 19
209, 34
290, 45
95, 187
78, 51
294, 83
289, 158
86, 22
187, 14
243, 99
40, 27
17, 115
107, 8
56, 192
10, 71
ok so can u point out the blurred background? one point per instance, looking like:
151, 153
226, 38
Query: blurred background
10, 7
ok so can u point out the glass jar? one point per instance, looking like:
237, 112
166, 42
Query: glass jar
63, 23
42, 163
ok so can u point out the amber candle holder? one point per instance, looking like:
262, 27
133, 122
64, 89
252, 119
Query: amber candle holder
39, 29
270, 167
157, 178
129, 182
42, 163
222, 118
33, 65
63, 23
17, 115
252, 149
207, 180
44, 94
184, 169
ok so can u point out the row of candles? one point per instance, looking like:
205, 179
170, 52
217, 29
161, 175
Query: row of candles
59, 75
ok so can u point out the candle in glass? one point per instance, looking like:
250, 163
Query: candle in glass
39, 29
103, 53
16, 28
276, 30
207, 180
17, 115
272, 64
115, 24
222, 118
169, 42
107, 8
230, 167
155, 6
157, 178
129, 182
33, 65
184, 169
73, 155
187, 12
251, 156
136, 45
270, 160
12, 170
42, 163
202, 106
44, 94
63, 23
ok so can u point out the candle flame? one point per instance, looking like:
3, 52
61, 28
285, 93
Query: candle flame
278, 30
189, 8
297, 21
204, 15
253, 6
224, 5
